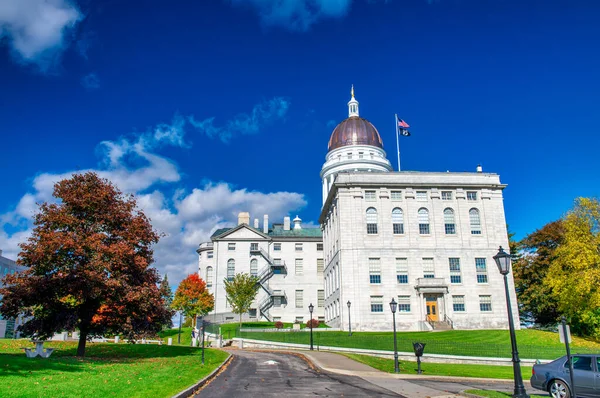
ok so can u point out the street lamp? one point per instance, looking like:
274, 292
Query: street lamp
503, 262
349, 324
179, 335
393, 307
310, 309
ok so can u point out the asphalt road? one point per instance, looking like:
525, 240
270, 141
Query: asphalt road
267, 374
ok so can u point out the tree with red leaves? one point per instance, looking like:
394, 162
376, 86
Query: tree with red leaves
89, 260
192, 298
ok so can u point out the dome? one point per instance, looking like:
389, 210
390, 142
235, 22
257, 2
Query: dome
355, 131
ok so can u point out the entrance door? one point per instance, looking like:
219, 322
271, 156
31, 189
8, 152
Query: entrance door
432, 310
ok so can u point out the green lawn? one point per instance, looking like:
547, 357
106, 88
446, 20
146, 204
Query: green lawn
120, 370
442, 369
489, 393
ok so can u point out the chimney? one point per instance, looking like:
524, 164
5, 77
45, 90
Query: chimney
297, 223
0, 252
479, 168
266, 224
256, 225
244, 218
286, 223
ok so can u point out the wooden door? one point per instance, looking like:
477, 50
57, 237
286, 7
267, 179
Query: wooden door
432, 312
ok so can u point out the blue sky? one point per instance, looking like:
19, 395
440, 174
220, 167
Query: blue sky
204, 109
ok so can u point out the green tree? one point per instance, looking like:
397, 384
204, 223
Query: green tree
241, 292
574, 275
192, 298
167, 294
537, 251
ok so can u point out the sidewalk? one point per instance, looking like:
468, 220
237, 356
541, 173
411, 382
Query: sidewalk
399, 384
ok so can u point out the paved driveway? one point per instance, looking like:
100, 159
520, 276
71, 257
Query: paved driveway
267, 374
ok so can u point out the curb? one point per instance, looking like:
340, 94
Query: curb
188, 392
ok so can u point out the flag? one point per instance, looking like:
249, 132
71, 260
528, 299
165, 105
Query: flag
401, 127
402, 124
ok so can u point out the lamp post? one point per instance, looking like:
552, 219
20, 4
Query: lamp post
310, 309
179, 335
202, 331
349, 323
503, 262
393, 307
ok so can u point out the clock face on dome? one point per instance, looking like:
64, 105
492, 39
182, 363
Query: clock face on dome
355, 131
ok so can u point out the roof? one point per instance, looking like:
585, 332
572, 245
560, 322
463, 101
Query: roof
355, 131
278, 232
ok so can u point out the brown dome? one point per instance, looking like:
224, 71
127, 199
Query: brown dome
354, 131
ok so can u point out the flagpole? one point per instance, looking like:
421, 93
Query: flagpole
397, 141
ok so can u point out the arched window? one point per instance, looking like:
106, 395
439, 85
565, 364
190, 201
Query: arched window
423, 216
230, 269
475, 221
254, 267
398, 221
449, 222
209, 276
371, 220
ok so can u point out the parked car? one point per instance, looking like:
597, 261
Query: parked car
554, 377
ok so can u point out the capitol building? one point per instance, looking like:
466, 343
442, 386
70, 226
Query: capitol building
424, 239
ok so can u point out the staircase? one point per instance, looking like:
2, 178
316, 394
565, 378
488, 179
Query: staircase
438, 325
264, 276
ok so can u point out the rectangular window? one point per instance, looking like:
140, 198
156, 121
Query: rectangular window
455, 276
374, 270
421, 195
320, 298
471, 195
458, 303
300, 319
319, 247
299, 298
402, 270
231, 246
404, 304
349, 155
485, 303
253, 247
277, 262
371, 228
446, 195
277, 301
360, 155
320, 266
277, 247
450, 229
398, 228
276, 318
481, 268
370, 196
428, 268
298, 247
376, 303
396, 195
299, 267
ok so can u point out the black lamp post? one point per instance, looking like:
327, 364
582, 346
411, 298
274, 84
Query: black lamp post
202, 331
349, 323
179, 335
310, 309
503, 261
393, 307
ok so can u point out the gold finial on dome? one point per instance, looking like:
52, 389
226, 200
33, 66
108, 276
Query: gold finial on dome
352, 91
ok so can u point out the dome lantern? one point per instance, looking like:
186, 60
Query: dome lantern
352, 104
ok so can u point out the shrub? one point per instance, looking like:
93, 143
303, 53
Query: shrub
278, 325
315, 323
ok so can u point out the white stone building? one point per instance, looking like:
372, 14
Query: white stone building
8, 326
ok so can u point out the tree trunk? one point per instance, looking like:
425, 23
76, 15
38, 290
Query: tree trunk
82, 340
240, 320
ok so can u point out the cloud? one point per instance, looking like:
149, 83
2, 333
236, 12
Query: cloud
36, 30
296, 15
90, 81
263, 114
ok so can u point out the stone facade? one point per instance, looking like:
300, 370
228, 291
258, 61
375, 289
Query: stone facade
8, 326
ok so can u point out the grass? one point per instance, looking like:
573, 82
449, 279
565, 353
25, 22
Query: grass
441, 369
107, 370
489, 393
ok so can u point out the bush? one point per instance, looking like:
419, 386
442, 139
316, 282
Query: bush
278, 325
315, 323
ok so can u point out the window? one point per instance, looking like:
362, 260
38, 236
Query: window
320, 266
371, 221
455, 276
277, 262
428, 268
423, 217
471, 195
581, 363
276, 318
370, 196
396, 195
277, 301
485, 303
449, 223
230, 269
376, 303
349, 155
403, 303
299, 266
481, 268
320, 298
231, 246
319, 247
458, 303
209, 254
300, 319
209, 276
397, 221
277, 247
446, 195
475, 221
253, 247
402, 270
374, 270
360, 155
421, 195
298, 247
299, 298
254, 267
252, 312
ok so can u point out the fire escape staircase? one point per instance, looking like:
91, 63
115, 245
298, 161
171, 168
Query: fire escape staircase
263, 280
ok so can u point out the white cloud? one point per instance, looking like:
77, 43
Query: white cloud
91, 81
36, 30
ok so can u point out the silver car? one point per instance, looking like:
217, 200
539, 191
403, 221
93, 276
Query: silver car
554, 377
